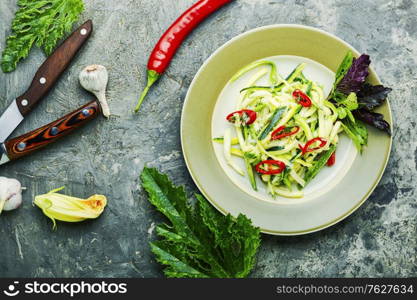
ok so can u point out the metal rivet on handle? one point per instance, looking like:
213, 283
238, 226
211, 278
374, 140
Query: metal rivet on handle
42, 80
86, 112
24, 102
21, 146
54, 131
83, 31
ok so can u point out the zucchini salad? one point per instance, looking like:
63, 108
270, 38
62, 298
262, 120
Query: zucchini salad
285, 132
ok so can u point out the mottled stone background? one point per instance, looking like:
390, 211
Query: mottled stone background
106, 157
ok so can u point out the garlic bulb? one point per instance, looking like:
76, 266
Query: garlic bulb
94, 79
10, 194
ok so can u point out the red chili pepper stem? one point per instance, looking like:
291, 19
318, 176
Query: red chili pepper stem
153, 76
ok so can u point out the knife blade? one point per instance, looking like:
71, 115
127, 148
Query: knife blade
41, 137
10, 119
45, 78
3, 155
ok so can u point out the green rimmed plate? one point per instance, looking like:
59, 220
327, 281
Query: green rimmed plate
346, 188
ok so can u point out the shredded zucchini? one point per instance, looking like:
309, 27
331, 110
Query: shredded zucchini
282, 130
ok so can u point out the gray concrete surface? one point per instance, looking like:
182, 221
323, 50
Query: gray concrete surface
106, 156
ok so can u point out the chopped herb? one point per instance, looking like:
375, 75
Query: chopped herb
42, 23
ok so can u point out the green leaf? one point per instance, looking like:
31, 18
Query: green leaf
350, 116
344, 67
350, 102
176, 269
236, 239
357, 132
342, 112
200, 242
41, 22
168, 199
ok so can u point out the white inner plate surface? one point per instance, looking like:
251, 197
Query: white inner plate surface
226, 103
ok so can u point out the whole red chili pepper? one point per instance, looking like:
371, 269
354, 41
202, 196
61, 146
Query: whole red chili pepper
282, 132
332, 159
281, 167
302, 98
244, 114
171, 40
307, 148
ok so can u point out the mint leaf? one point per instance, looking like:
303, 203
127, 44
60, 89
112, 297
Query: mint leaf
40, 22
199, 242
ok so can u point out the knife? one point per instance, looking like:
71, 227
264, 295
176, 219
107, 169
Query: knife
44, 80
32, 141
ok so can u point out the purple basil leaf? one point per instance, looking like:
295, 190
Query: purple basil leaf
355, 76
372, 96
374, 119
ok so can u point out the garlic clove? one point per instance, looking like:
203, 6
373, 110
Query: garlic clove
10, 194
14, 202
94, 78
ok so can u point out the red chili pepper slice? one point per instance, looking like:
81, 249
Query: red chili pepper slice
246, 115
283, 131
281, 167
332, 159
171, 40
302, 98
307, 148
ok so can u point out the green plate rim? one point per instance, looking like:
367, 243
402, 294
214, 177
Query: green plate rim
263, 230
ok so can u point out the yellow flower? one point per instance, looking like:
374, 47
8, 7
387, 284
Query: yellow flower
70, 209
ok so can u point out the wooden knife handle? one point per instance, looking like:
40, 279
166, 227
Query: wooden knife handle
49, 72
39, 138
